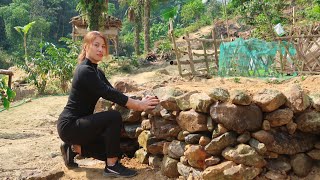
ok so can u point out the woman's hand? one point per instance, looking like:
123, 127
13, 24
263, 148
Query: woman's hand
149, 102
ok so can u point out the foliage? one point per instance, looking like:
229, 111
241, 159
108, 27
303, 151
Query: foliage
24, 31
6, 93
192, 10
52, 62
263, 15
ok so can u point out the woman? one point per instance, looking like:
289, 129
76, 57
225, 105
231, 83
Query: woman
95, 135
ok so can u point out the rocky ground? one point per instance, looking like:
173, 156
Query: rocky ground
29, 144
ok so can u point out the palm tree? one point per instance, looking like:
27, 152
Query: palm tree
93, 10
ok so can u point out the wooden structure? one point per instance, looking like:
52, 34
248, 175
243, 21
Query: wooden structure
305, 61
111, 26
9, 73
306, 41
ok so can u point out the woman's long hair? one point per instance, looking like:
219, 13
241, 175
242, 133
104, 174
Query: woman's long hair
87, 41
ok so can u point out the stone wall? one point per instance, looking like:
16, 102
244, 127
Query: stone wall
226, 135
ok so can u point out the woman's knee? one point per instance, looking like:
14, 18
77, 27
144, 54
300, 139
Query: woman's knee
116, 117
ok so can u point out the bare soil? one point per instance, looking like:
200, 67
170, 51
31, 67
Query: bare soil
29, 143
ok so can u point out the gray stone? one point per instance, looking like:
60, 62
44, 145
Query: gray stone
315, 98
216, 145
130, 130
163, 129
169, 167
301, 164
279, 117
212, 160
176, 149
183, 101
193, 138
309, 122
282, 142
244, 154
185, 171
239, 97
237, 118
155, 161
281, 164
219, 94
142, 156
258, 146
314, 154
244, 138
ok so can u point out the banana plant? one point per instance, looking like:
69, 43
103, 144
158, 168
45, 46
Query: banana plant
23, 30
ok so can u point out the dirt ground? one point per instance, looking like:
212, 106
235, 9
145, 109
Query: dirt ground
29, 143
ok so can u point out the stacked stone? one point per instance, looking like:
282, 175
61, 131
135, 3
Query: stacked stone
215, 135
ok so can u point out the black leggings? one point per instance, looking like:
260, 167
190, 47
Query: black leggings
98, 134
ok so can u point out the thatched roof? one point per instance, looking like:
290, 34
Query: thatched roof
110, 21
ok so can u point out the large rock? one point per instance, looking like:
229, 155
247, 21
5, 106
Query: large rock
163, 129
309, 122
196, 156
315, 101
301, 164
169, 103
219, 94
176, 149
244, 154
237, 118
216, 172
279, 117
216, 145
281, 164
269, 100
185, 171
128, 115
183, 101
192, 121
239, 97
200, 102
297, 99
169, 167
126, 86
282, 142
230, 170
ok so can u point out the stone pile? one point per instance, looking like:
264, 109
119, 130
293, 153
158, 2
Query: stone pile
227, 135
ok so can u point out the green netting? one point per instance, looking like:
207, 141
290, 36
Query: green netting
251, 57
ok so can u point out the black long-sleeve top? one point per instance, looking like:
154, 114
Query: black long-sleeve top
88, 85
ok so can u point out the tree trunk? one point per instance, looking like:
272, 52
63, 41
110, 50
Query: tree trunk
146, 26
137, 25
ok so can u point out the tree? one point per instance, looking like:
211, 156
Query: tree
192, 10
146, 24
24, 31
93, 10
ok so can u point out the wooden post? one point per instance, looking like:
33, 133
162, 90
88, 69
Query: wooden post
9, 73
190, 56
215, 48
205, 56
171, 33
226, 16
